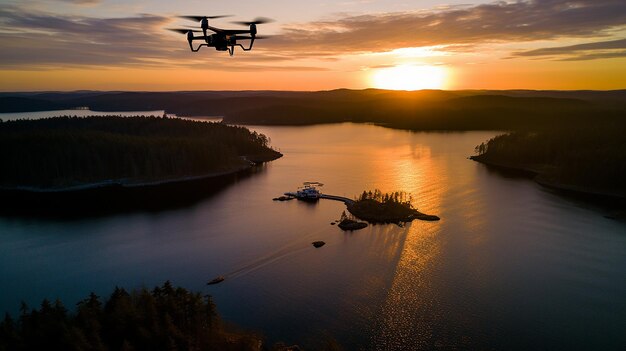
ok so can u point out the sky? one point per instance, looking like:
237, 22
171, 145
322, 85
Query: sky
315, 45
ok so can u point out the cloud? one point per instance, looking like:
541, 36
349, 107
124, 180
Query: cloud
580, 52
601, 45
39, 40
596, 56
500, 22
81, 2
35, 39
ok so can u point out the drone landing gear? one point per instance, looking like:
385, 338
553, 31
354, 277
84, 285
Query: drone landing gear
231, 51
199, 46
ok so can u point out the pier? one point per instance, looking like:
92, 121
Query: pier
343, 199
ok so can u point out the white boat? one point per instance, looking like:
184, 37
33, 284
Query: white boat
309, 191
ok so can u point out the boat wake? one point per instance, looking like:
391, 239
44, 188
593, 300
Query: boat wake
272, 257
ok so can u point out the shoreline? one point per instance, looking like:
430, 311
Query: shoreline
129, 184
101, 199
537, 176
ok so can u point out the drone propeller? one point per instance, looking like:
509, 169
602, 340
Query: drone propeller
258, 20
200, 18
183, 31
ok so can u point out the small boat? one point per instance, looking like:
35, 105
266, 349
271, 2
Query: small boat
318, 244
216, 280
283, 198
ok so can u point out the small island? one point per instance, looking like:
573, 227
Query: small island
349, 222
395, 207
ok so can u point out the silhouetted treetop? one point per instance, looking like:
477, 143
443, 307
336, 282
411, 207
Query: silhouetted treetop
168, 318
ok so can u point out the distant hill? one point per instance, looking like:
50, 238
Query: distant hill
418, 110
26, 104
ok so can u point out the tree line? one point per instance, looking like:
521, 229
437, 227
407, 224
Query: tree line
66, 151
394, 197
164, 318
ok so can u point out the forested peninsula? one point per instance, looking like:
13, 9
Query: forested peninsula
586, 158
66, 153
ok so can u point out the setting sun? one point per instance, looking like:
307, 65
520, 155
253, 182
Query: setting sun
409, 77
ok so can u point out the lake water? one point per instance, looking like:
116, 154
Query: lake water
509, 266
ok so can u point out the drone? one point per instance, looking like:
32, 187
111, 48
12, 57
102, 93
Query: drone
222, 39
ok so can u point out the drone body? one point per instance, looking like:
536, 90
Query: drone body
222, 39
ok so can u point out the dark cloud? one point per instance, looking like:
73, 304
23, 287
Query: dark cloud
601, 45
494, 22
596, 56
580, 52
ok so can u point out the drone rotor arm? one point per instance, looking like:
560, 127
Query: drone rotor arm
241, 37
216, 30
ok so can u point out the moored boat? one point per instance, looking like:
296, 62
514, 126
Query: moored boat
309, 191
216, 280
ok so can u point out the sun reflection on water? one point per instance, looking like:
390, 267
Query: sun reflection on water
400, 322
413, 168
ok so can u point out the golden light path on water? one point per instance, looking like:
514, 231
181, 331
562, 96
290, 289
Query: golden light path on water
413, 308
414, 169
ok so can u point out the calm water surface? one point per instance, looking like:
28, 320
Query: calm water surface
509, 266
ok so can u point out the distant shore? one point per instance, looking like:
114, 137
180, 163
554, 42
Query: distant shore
539, 177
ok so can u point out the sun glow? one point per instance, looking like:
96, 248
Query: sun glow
410, 77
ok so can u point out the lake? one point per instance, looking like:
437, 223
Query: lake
510, 265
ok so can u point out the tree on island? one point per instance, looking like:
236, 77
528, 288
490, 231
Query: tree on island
393, 207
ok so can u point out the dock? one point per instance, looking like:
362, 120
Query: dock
343, 199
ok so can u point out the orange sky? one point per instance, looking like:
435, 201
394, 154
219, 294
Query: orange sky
110, 45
